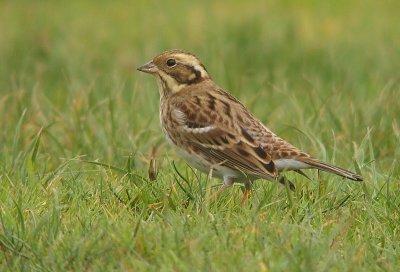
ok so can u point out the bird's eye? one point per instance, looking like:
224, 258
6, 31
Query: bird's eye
171, 62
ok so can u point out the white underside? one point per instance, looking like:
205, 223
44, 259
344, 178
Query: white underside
290, 164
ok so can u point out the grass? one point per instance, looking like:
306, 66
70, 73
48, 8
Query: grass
79, 127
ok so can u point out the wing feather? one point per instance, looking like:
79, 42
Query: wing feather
222, 142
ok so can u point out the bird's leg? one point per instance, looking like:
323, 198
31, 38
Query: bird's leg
246, 192
228, 182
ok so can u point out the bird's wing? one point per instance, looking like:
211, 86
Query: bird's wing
206, 126
221, 128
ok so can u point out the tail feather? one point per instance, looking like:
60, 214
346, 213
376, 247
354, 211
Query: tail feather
323, 166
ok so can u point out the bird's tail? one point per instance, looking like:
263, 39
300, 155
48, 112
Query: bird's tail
323, 166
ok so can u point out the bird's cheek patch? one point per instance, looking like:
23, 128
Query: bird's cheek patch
173, 84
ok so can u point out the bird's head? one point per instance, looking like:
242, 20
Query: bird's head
175, 70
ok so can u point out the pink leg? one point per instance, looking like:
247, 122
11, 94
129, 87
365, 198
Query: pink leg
228, 182
246, 192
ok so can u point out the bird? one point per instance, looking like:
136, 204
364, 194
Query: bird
216, 134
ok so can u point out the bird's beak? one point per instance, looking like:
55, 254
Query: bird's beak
149, 68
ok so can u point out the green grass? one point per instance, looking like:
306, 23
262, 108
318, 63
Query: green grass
79, 126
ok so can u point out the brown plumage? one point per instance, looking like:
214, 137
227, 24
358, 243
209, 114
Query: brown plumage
212, 129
